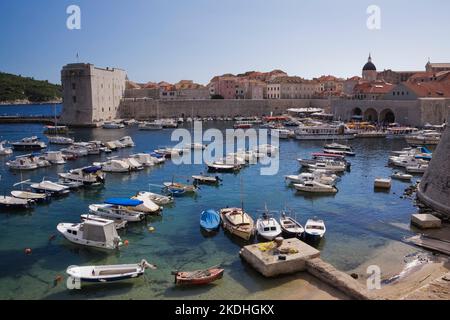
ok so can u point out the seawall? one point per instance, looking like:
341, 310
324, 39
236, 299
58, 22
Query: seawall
142, 109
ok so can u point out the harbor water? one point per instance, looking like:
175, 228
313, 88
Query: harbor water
359, 220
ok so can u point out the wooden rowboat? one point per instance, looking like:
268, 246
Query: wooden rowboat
198, 277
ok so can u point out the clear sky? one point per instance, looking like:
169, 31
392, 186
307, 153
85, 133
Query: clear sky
197, 39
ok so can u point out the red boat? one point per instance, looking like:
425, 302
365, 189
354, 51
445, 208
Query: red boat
198, 277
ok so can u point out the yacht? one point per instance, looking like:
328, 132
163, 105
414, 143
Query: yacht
319, 175
323, 132
22, 163
315, 187
118, 223
76, 150
114, 165
92, 233
60, 140
328, 165
88, 176
421, 168
31, 143
400, 132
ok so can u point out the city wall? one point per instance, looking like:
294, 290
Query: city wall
142, 109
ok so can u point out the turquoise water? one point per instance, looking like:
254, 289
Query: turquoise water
358, 221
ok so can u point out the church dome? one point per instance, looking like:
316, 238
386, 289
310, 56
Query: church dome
369, 66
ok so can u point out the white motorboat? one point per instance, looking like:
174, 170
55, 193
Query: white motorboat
13, 203
425, 137
315, 228
112, 125
31, 196
88, 176
268, 227
156, 198
55, 157
114, 165
118, 223
4, 151
22, 163
144, 159
75, 150
108, 273
147, 205
401, 176
150, 126
195, 146
223, 167
282, 133
421, 168
318, 175
328, 165
382, 183
46, 186
202, 179
267, 149
31, 143
99, 234
169, 152
133, 164
406, 161
338, 146
127, 142
60, 140
290, 226
119, 208
315, 187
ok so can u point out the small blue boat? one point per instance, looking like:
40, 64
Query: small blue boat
126, 202
209, 220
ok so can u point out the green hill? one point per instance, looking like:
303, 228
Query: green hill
15, 88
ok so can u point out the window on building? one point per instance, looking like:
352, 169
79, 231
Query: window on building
74, 99
73, 86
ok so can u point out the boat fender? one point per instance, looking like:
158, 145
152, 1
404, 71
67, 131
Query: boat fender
126, 242
27, 251
151, 229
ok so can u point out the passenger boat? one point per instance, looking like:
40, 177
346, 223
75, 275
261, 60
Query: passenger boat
3, 150
237, 222
401, 176
267, 226
119, 208
46, 186
199, 277
30, 196
382, 183
209, 220
56, 129
400, 132
150, 126
336, 148
315, 229
98, 234
113, 165
201, 179
323, 132
55, 157
31, 143
371, 134
118, 223
112, 125
290, 226
315, 187
88, 176
159, 199
13, 203
60, 140
108, 273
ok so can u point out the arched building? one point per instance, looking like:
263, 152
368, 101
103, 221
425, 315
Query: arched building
369, 71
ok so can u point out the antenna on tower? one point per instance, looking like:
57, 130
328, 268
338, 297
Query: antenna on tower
78, 58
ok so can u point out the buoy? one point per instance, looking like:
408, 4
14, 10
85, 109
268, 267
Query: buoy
125, 242
151, 229
27, 251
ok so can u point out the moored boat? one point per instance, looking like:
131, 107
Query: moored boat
315, 228
46, 186
159, 199
290, 226
315, 187
31, 143
199, 277
209, 220
382, 183
267, 226
13, 203
237, 222
201, 179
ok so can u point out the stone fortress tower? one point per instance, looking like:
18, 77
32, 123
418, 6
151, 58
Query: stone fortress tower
369, 71
91, 95
434, 188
